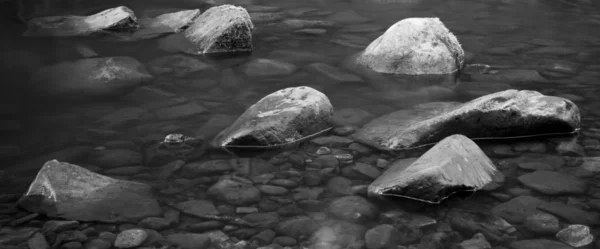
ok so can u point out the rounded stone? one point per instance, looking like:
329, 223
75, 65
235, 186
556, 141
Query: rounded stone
542, 223
130, 238
380, 237
576, 235
353, 208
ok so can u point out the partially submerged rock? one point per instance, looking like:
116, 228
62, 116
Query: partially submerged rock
509, 113
455, 164
119, 18
224, 28
166, 23
280, 118
100, 76
71, 192
414, 46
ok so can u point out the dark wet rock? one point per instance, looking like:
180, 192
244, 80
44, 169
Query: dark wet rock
71, 192
221, 29
434, 50
332, 141
265, 237
465, 168
542, 223
533, 166
518, 209
365, 170
38, 241
339, 186
284, 183
131, 238
298, 227
381, 237
493, 227
235, 192
206, 168
97, 244
272, 190
72, 245
280, 118
477, 242
119, 18
503, 114
538, 244
99, 76
197, 207
189, 240
338, 232
164, 24
204, 226
397, 217
553, 183
261, 67
155, 223
334, 73
285, 241
570, 213
115, 158
179, 65
570, 148
351, 116
262, 220
57, 226
576, 235
353, 208
17, 236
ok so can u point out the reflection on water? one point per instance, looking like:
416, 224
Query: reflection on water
548, 46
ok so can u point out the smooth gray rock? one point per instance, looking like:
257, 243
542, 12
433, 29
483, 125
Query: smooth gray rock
455, 164
414, 46
72, 192
221, 29
235, 192
503, 114
99, 76
280, 118
553, 183
119, 18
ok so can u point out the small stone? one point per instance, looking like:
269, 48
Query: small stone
285, 241
477, 242
205, 226
381, 237
97, 244
332, 141
353, 208
359, 148
570, 148
323, 151
131, 238
542, 223
265, 237
58, 226
298, 227
38, 241
198, 207
576, 235
284, 183
367, 170
155, 223
190, 240
246, 210
72, 245
344, 130
382, 163
272, 190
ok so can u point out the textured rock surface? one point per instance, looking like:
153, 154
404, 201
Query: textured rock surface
103, 76
225, 28
72, 192
454, 164
414, 46
503, 114
279, 118
121, 18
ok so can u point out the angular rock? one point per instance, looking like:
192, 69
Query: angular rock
99, 76
119, 18
491, 226
280, 118
72, 192
509, 113
414, 46
166, 23
477, 242
576, 235
542, 223
518, 209
571, 213
221, 29
553, 183
454, 164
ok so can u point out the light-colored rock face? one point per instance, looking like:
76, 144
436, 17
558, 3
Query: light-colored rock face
224, 28
414, 46
509, 113
121, 17
454, 164
282, 117
72, 192
90, 77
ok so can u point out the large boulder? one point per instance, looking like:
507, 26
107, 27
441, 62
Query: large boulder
224, 28
455, 164
104, 76
71, 192
283, 117
509, 113
414, 46
119, 18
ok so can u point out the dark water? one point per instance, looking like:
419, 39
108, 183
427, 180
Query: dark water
505, 34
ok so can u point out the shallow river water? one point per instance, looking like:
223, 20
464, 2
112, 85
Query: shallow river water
557, 38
